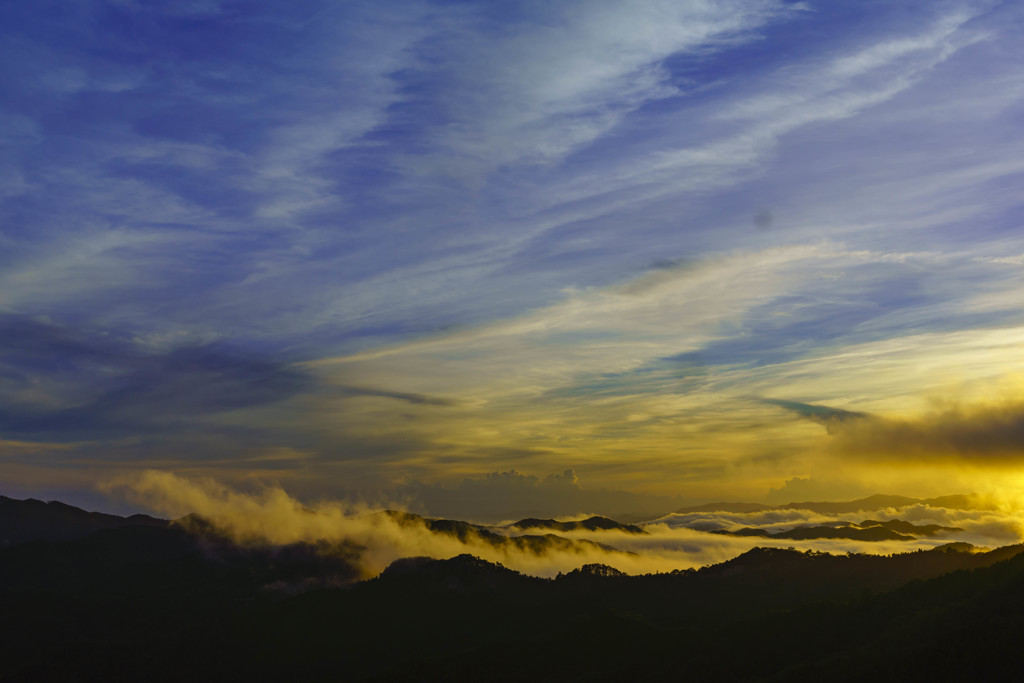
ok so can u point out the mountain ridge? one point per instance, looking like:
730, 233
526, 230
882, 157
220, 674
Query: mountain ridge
594, 523
874, 502
31, 519
183, 602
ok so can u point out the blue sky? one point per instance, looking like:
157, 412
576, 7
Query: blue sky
345, 246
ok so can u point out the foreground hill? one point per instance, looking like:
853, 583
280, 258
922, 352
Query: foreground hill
182, 602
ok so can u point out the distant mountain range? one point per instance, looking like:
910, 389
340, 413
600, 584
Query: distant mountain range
876, 502
25, 520
536, 544
143, 599
590, 524
28, 520
868, 530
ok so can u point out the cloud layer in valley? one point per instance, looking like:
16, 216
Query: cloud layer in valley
677, 541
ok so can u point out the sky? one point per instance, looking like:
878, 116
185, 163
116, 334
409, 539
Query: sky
560, 255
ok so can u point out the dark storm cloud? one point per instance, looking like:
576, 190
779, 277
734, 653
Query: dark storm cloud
980, 433
418, 399
983, 434
65, 383
824, 414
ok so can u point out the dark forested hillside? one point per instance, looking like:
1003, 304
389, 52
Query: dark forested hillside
166, 603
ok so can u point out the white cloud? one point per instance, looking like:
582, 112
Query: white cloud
275, 517
543, 87
793, 98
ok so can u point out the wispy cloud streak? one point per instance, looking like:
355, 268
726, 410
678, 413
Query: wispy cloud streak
429, 241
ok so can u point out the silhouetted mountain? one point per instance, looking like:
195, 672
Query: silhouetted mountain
875, 502
868, 530
960, 501
473, 533
723, 506
30, 520
464, 573
806, 533
875, 533
596, 624
150, 557
758, 580
590, 524
588, 570
910, 528
745, 531
182, 602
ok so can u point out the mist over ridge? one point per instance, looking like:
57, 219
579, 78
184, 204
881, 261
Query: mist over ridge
546, 547
263, 609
